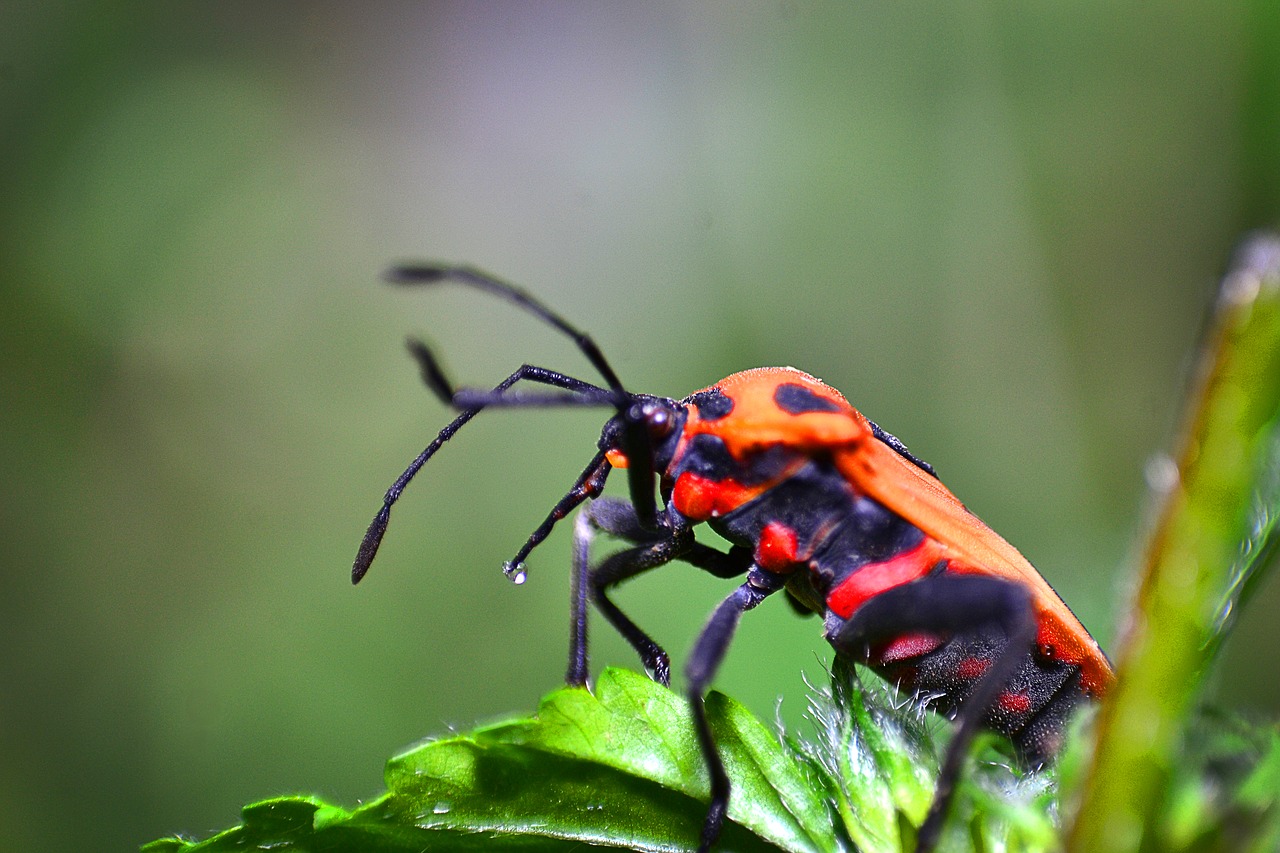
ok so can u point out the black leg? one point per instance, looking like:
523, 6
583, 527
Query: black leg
618, 518
590, 484
704, 660
626, 564
953, 604
436, 381
673, 542
576, 676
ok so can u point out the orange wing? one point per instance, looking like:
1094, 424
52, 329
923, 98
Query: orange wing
880, 472
877, 470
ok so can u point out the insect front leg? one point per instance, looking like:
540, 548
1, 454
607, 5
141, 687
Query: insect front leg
672, 541
957, 605
435, 379
616, 518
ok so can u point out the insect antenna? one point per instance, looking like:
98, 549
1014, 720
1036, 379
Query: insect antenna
469, 402
433, 375
635, 440
426, 273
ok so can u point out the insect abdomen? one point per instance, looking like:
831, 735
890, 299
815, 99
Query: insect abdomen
1031, 710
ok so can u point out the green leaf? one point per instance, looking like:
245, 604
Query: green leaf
772, 795
1214, 533
886, 764
1257, 548
619, 768
634, 739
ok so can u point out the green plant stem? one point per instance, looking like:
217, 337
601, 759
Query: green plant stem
1189, 561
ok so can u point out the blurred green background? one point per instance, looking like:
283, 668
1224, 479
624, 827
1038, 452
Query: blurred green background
994, 226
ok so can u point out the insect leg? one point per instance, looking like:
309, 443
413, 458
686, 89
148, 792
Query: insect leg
628, 563
579, 591
588, 485
378, 527
704, 660
956, 604
672, 542
619, 518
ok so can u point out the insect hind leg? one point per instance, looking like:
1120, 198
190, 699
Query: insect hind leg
950, 604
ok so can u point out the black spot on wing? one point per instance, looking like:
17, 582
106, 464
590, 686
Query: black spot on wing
796, 399
712, 404
901, 449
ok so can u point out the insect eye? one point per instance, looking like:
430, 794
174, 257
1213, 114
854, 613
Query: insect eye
659, 421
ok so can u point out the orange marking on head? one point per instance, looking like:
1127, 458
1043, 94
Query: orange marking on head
757, 422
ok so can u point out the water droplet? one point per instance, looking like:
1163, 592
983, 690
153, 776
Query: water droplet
1161, 473
442, 807
516, 572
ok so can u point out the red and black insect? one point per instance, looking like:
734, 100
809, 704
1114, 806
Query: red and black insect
816, 500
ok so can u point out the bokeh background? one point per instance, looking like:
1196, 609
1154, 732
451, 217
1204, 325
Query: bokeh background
993, 225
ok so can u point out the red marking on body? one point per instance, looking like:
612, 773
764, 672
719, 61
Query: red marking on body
1068, 647
698, 498
1059, 640
872, 579
972, 668
876, 470
905, 647
1014, 703
776, 549
900, 675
